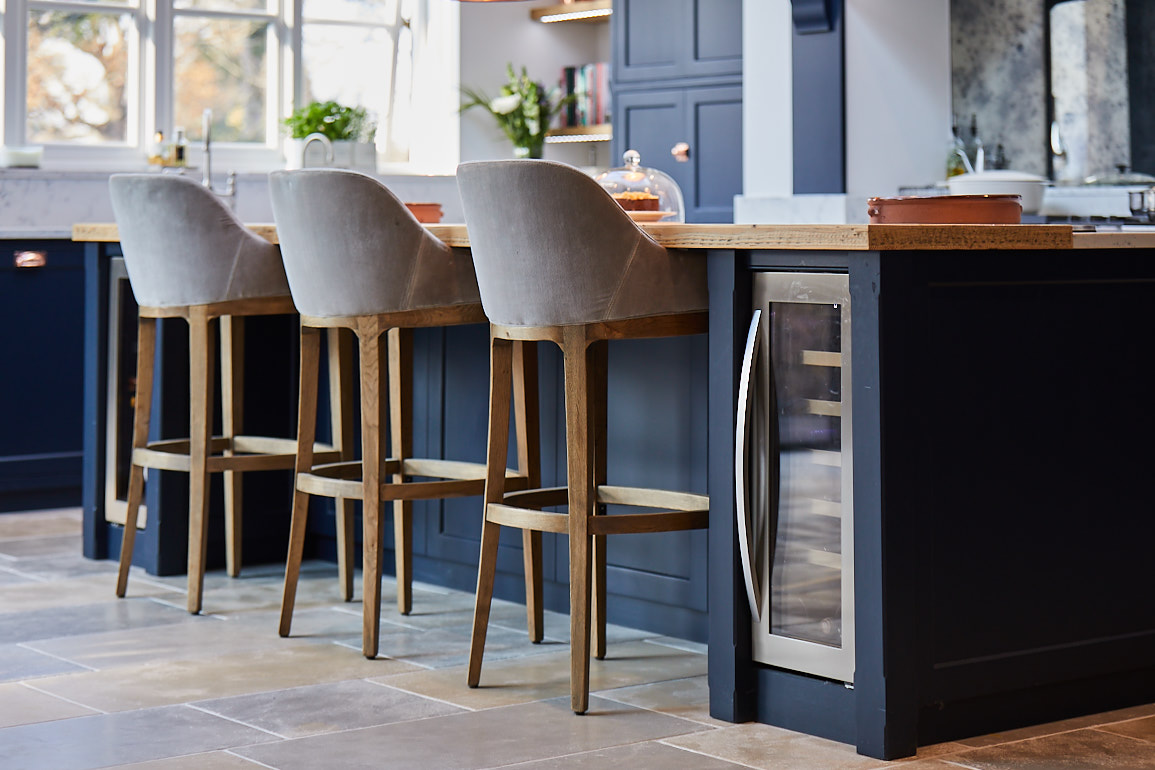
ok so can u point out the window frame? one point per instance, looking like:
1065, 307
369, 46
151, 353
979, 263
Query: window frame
151, 107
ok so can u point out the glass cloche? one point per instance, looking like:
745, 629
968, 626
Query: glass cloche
647, 194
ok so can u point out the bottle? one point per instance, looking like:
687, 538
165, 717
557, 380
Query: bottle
180, 149
999, 158
156, 151
974, 146
954, 161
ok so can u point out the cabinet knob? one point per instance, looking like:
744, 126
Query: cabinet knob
681, 152
30, 258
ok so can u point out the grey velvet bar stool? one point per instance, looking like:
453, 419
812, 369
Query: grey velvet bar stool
558, 260
188, 257
357, 259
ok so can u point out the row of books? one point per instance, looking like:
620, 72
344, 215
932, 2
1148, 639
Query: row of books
590, 86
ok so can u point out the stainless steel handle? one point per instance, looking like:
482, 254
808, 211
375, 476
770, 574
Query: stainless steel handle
681, 152
27, 259
742, 467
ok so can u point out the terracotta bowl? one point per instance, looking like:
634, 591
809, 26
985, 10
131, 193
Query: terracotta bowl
946, 210
428, 213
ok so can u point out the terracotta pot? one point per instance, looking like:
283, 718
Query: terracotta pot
946, 210
428, 213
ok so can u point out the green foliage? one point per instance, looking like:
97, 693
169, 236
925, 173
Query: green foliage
335, 121
523, 110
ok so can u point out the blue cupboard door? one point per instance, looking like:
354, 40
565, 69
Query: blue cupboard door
671, 39
41, 390
709, 120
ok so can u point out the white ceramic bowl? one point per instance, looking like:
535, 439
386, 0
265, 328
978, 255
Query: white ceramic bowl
1002, 182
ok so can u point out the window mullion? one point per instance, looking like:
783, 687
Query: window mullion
15, 45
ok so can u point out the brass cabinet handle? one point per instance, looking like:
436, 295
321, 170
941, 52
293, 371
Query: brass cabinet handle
26, 259
741, 468
681, 152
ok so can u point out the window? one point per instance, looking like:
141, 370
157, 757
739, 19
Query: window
92, 80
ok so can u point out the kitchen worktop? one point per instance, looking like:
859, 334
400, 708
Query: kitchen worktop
808, 237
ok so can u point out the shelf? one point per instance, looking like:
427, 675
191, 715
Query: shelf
579, 10
599, 133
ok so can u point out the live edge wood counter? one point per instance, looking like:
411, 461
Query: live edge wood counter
802, 237
1002, 508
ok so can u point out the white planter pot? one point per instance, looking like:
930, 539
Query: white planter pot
361, 156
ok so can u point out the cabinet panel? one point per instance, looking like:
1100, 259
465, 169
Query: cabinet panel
41, 392
715, 153
668, 39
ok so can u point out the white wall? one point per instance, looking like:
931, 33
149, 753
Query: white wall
898, 103
494, 34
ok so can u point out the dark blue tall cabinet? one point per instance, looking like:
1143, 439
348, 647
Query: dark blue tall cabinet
677, 79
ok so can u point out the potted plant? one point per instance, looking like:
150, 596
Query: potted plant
346, 132
523, 110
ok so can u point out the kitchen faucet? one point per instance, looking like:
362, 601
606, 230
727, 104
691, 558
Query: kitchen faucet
230, 191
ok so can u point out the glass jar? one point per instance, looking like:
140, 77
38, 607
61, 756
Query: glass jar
647, 194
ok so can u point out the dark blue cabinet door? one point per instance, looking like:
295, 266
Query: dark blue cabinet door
668, 39
709, 120
42, 355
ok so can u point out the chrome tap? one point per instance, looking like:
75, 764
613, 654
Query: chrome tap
966, 161
230, 191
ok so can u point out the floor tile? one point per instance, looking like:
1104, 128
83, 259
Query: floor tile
1075, 750
33, 625
213, 760
20, 705
193, 679
651, 755
326, 708
489, 738
66, 592
771, 748
686, 698
111, 739
57, 521
29, 547
1061, 726
538, 677
1143, 729
18, 662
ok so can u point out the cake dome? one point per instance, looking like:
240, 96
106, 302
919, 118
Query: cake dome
647, 194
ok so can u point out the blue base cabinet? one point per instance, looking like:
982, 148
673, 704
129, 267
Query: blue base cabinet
42, 387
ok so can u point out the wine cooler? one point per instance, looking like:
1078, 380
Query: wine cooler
793, 474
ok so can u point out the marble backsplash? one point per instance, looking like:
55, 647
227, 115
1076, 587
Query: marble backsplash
998, 51
46, 203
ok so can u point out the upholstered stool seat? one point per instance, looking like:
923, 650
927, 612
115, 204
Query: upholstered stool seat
558, 260
188, 257
357, 259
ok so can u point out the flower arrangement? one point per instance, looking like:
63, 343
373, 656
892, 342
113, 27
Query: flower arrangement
523, 110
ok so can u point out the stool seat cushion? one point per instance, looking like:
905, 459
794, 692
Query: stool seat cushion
552, 248
183, 246
351, 248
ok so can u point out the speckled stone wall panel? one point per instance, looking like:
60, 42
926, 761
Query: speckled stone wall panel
1109, 119
1141, 72
997, 49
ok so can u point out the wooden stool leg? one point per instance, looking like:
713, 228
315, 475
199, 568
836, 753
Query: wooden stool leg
306, 433
373, 361
232, 331
598, 386
500, 366
579, 450
341, 418
401, 446
145, 358
527, 424
201, 360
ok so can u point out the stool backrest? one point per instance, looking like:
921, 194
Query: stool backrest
183, 246
552, 248
352, 248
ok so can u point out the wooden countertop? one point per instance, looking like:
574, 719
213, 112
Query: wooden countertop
807, 237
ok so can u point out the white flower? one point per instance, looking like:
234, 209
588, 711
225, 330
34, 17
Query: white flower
503, 105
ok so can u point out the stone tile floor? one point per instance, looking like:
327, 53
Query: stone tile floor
90, 681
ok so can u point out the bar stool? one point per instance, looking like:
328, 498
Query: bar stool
357, 259
558, 260
188, 256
